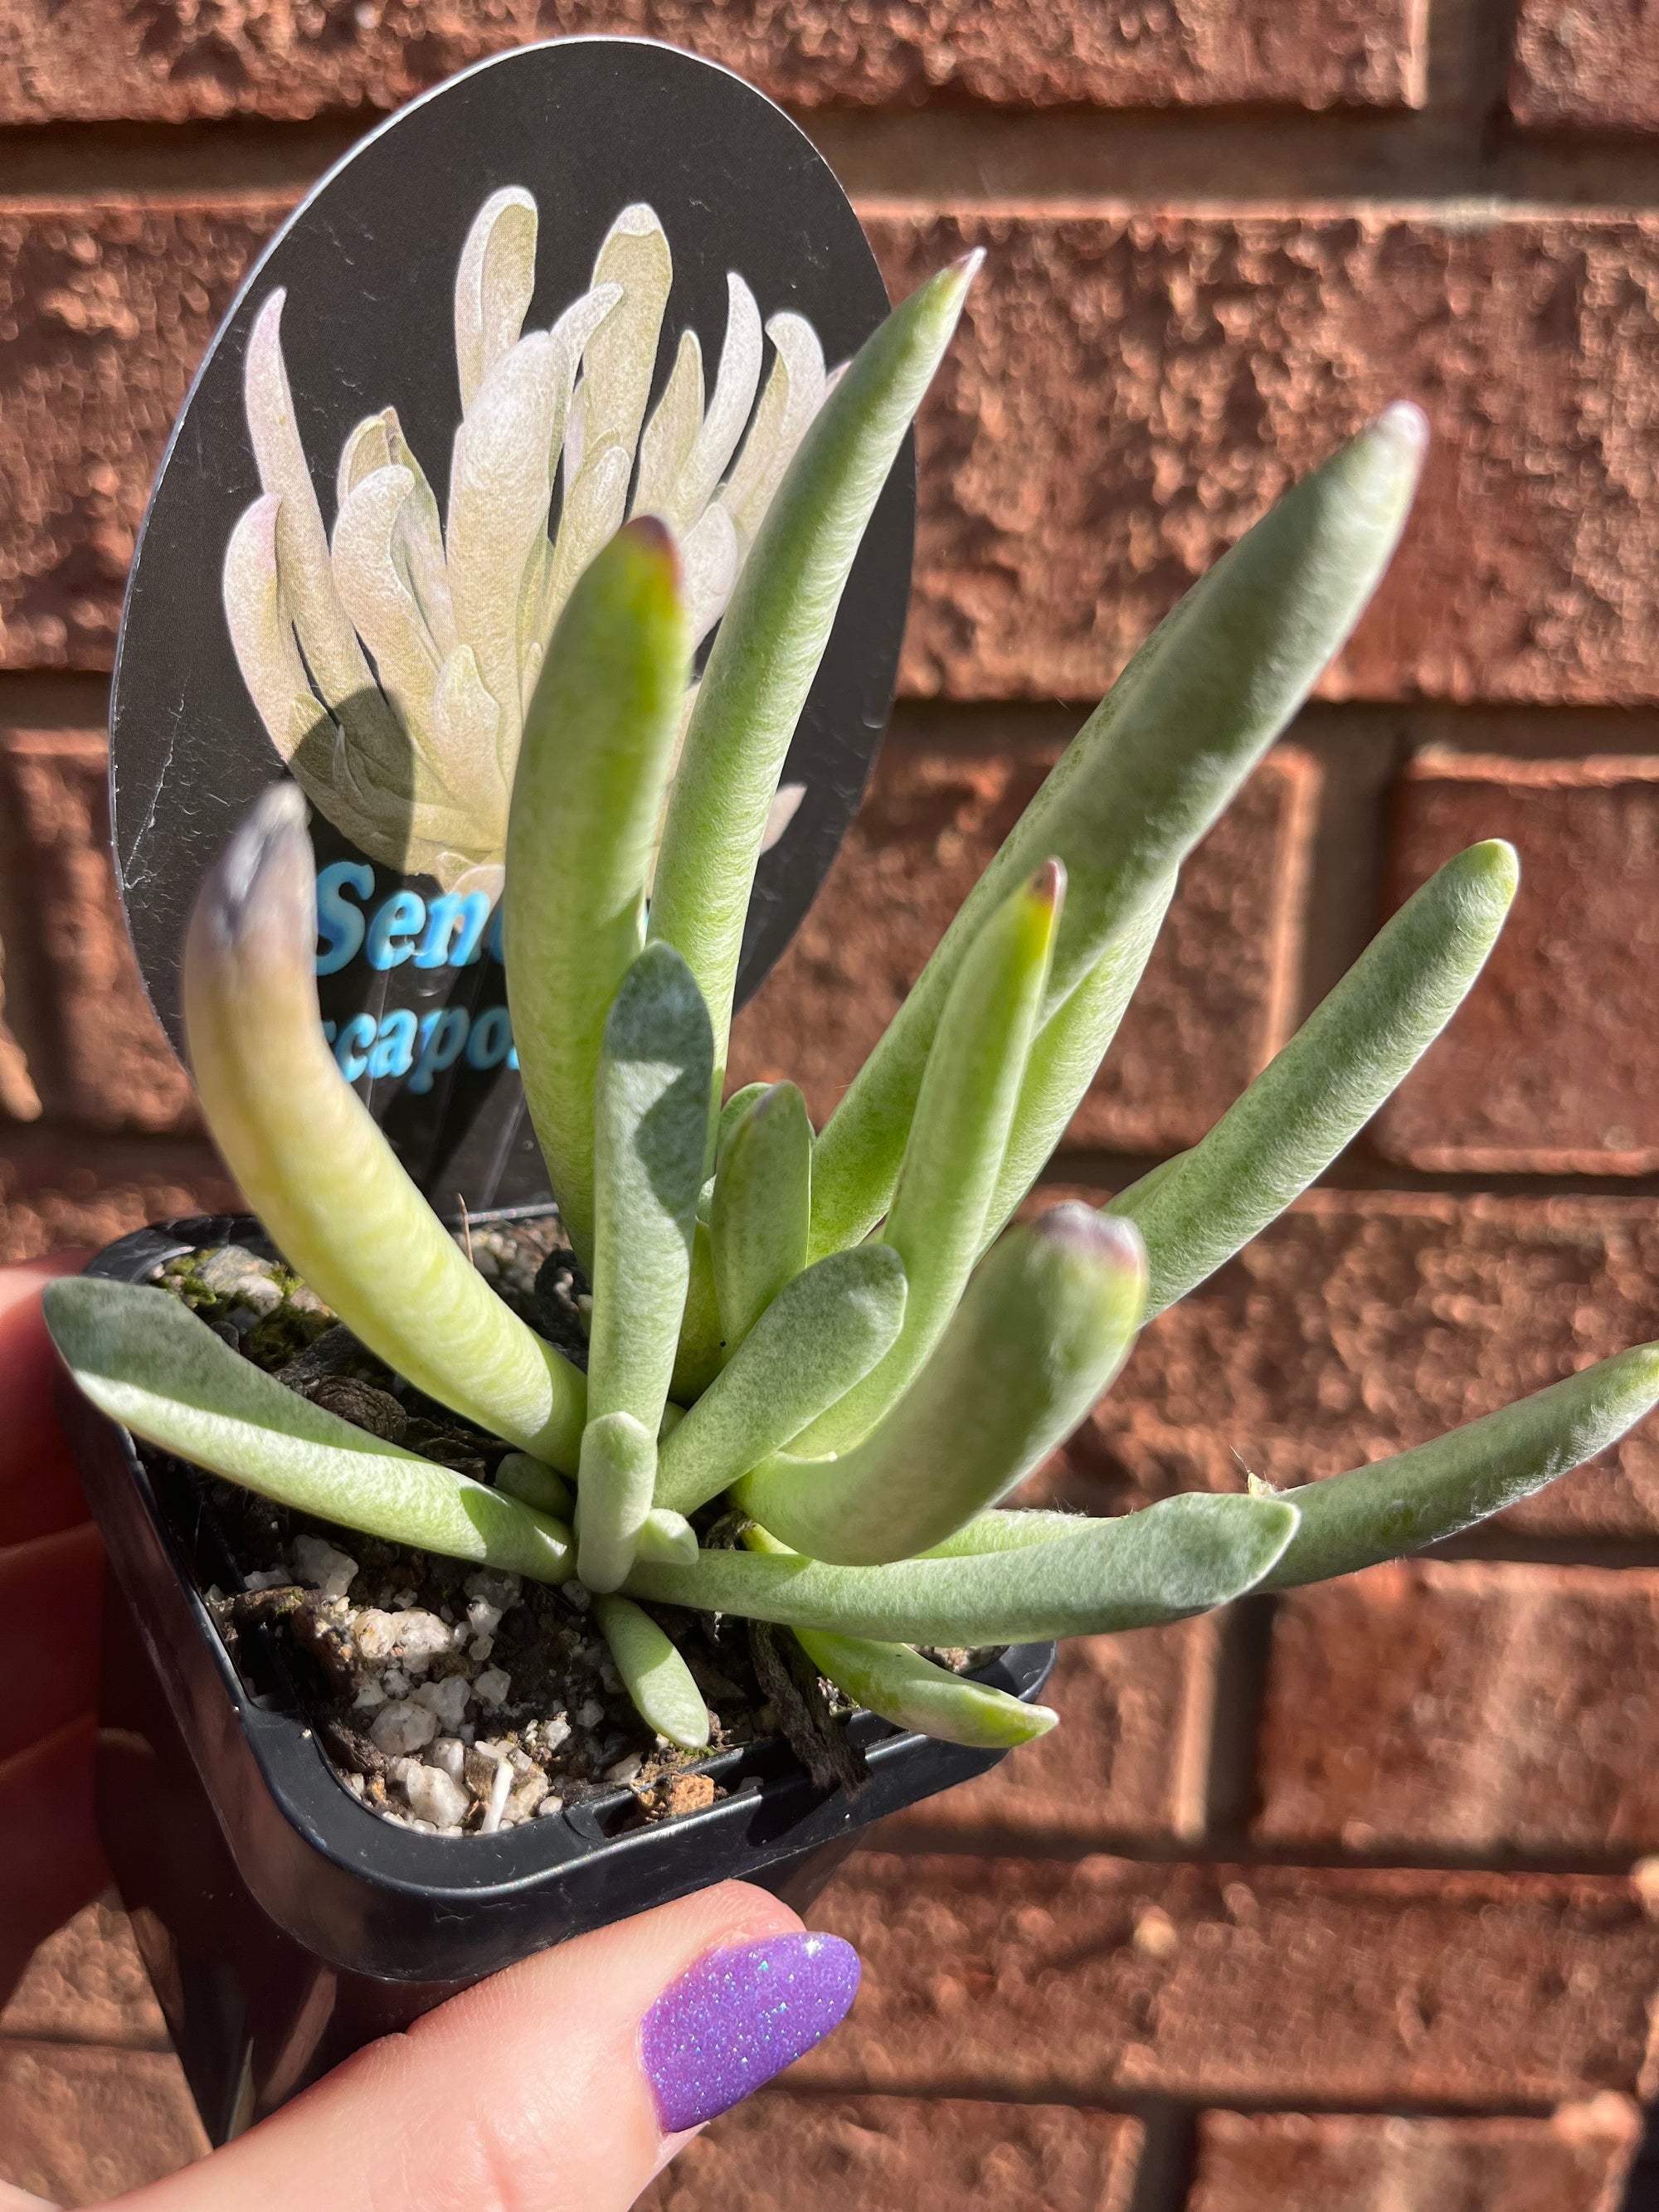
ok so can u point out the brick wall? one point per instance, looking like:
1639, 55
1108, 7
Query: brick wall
1347, 1898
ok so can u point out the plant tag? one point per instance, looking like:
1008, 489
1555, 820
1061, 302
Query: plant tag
582, 280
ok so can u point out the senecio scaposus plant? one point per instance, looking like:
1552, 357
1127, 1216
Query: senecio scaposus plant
834, 1345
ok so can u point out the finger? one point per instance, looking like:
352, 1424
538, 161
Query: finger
50, 1594
560, 2086
39, 1491
49, 1862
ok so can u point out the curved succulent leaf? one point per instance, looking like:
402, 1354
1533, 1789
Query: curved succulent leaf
1182, 1556
1317, 1095
143, 1358
658, 1680
820, 1334
957, 1141
1439, 1489
493, 282
594, 763
911, 1691
702, 1350
315, 1167
1065, 1058
1149, 772
761, 1209
1045, 1325
772, 637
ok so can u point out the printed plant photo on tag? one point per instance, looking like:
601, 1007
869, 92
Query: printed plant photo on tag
585, 282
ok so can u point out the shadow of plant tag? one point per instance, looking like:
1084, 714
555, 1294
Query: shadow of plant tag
582, 280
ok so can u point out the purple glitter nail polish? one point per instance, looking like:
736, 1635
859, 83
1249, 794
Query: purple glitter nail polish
738, 2017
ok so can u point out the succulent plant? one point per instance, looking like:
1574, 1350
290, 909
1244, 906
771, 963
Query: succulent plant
818, 1364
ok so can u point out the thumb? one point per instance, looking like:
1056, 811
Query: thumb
563, 2085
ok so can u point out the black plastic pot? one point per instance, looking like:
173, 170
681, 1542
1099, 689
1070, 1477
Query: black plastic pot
284, 1924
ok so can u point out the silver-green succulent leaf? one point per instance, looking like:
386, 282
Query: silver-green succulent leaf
312, 1162
614, 1489
1438, 1490
762, 1207
650, 1126
958, 1142
773, 634
821, 1333
1182, 1556
653, 1673
1316, 1095
1149, 773
1064, 1059
593, 770
143, 1358
1046, 1324
914, 1693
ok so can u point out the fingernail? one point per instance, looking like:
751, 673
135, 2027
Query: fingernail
738, 2017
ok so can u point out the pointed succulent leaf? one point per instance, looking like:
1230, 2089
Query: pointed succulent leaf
956, 1145
143, 1359
773, 636
658, 1680
374, 590
1183, 1556
1439, 1489
315, 1167
586, 801
613, 1497
819, 1336
911, 1691
493, 282
1064, 1059
1150, 772
1320, 1091
761, 1206
650, 1121
1045, 1325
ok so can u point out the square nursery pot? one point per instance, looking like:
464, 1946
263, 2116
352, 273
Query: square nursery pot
283, 1922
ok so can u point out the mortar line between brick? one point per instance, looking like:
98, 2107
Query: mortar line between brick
1242, 1854
44, 2039
988, 2090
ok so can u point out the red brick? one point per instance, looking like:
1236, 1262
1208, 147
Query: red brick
1216, 1001
57, 1190
1465, 1709
86, 1984
1551, 1066
1579, 66
100, 61
114, 1069
800, 2153
1575, 2161
1097, 1979
1364, 1322
104, 311
1128, 1758
79, 2124
1129, 391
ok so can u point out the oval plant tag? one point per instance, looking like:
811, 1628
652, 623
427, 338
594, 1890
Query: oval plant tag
582, 280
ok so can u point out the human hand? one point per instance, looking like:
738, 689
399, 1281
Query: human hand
563, 2085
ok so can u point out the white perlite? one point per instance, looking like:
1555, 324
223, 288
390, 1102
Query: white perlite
491, 1687
499, 1787
436, 1796
446, 1698
321, 1567
402, 1727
